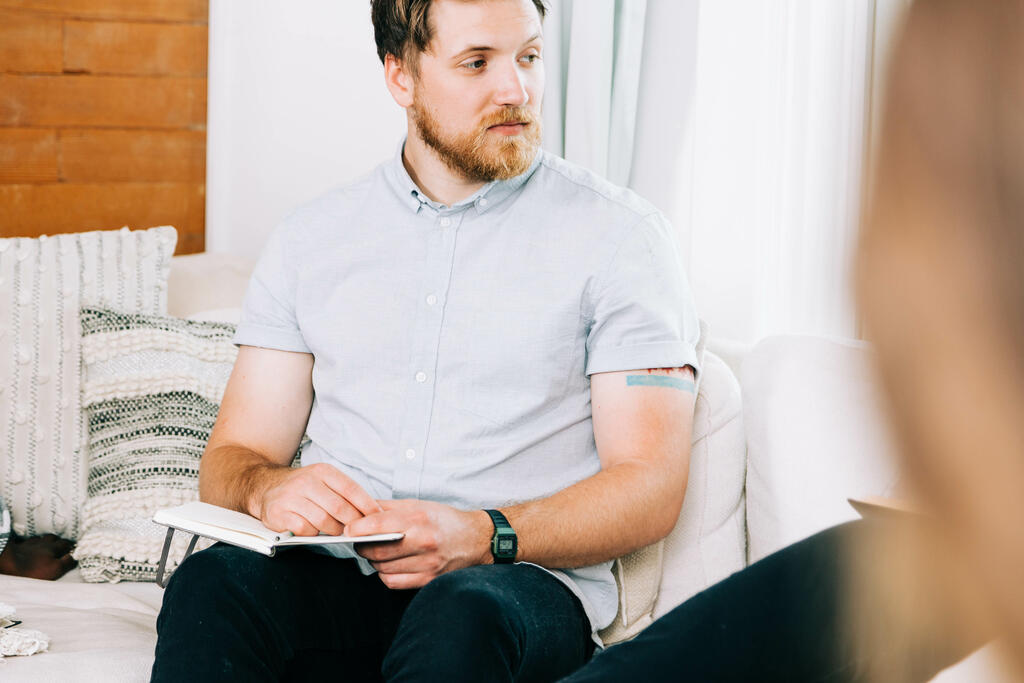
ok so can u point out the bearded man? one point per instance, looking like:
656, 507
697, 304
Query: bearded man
492, 352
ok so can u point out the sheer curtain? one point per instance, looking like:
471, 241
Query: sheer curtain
750, 129
593, 51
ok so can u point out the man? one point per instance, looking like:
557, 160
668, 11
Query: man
494, 351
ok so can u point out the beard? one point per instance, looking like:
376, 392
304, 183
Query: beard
477, 156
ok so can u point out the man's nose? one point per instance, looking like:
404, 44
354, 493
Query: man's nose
511, 87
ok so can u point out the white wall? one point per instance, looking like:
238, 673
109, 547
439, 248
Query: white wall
297, 105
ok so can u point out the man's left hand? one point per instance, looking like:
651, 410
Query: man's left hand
438, 539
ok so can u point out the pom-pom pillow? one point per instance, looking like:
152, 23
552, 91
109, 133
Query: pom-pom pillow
44, 282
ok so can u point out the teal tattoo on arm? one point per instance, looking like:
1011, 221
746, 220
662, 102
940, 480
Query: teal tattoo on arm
661, 381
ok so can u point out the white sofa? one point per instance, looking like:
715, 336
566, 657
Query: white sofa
766, 470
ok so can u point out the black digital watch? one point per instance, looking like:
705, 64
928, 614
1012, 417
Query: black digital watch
504, 543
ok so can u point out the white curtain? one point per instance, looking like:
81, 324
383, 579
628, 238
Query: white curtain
750, 126
593, 52
781, 112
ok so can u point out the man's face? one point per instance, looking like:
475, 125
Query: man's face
478, 92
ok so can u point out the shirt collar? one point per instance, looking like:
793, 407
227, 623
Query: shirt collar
483, 199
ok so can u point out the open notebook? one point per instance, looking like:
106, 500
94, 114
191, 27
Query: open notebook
238, 528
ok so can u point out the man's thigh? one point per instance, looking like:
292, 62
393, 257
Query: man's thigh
496, 622
291, 615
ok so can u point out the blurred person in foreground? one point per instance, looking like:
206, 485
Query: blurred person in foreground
941, 287
940, 280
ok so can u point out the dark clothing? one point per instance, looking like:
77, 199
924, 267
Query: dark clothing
783, 618
232, 614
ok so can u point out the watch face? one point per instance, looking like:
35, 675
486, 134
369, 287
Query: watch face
506, 545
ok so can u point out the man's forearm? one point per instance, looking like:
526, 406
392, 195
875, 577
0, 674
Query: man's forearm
236, 478
622, 508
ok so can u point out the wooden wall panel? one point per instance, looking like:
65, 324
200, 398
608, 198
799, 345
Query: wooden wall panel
169, 10
30, 43
128, 155
43, 209
108, 47
28, 155
102, 101
103, 116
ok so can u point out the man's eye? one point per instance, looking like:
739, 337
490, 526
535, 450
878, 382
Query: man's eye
474, 65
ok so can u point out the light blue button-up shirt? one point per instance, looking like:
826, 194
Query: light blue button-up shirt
453, 344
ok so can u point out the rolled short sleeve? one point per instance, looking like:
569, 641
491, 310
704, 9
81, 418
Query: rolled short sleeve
642, 313
268, 311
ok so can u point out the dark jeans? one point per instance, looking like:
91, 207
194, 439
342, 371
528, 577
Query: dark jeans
781, 619
232, 614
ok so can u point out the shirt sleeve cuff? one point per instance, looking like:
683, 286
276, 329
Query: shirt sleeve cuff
250, 334
642, 357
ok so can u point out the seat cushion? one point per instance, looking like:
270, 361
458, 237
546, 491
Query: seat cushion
98, 632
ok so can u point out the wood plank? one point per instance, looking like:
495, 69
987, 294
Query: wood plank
31, 210
142, 155
30, 42
165, 10
102, 101
106, 47
28, 155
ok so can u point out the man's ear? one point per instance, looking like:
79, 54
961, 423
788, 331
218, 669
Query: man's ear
399, 80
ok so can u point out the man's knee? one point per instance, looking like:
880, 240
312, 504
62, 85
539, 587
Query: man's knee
212, 575
477, 595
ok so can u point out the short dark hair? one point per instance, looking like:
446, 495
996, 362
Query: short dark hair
402, 27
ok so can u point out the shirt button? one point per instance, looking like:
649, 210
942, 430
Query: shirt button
410, 454
431, 299
421, 377
445, 222
483, 201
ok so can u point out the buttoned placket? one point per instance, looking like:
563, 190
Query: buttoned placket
427, 328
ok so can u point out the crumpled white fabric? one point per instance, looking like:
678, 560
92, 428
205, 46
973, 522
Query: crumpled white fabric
19, 641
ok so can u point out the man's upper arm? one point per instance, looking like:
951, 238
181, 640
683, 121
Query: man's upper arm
644, 416
266, 404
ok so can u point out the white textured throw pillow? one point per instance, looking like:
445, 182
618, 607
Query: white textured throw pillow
43, 283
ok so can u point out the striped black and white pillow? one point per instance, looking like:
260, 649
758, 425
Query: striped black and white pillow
44, 282
151, 392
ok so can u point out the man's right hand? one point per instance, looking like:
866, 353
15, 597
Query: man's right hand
311, 500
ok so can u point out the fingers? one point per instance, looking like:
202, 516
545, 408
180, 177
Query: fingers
305, 518
316, 499
387, 550
349, 490
415, 564
340, 510
379, 523
405, 581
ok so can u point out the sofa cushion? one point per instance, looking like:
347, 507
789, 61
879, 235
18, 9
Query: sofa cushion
815, 437
43, 283
151, 393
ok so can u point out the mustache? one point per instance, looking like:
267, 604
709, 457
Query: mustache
509, 115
